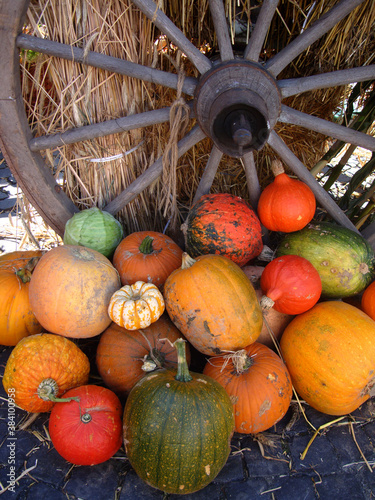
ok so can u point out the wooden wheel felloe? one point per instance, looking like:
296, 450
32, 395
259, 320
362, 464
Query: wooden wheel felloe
237, 101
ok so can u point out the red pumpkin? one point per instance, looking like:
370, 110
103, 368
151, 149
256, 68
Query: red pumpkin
368, 301
258, 384
146, 256
223, 224
88, 429
286, 204
291, 285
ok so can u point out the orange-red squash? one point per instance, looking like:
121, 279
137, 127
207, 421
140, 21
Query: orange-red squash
368, 300
213, 303
258, 383
330, 354
70, 291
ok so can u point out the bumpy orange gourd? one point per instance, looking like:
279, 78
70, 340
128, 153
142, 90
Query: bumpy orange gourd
125, 356
213, 303
258, 383
368, 300
41, 368
330, 354
286, 204
146, 256
17, 320
70, 291
290, 284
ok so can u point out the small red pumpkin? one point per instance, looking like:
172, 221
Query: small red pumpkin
291, 285
368, 301
146, 256
223, 224
258, 384
286, 204
88, 429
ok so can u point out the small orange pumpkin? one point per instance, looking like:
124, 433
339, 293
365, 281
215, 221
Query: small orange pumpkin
17, 320
146, 256
258, 384
41, 368
125, 356
70, 291
368, 300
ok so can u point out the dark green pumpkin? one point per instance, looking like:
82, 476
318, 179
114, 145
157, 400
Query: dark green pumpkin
344, 260
177, 428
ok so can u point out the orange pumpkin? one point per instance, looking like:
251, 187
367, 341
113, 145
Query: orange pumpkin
286, 204
41, 368
330, 354
70, 291
213, 303
125, 356
368, 300
146, 256
258, 384
17, 320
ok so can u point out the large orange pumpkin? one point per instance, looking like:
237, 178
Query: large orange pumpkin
17, 320
70, 291
258, 383
146, 256
330, 354
125, 356
213, 303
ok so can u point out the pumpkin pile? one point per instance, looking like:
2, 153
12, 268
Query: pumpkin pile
154, 309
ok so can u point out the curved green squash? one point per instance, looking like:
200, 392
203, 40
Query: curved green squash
344, 260
177, 428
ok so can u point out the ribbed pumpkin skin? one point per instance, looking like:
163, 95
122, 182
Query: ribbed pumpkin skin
214, 304
40, 357
70, 291
344, 259
261, 394
155, 267
368, 300
223, 224
330, 354
177, 434
17, 320
120, 352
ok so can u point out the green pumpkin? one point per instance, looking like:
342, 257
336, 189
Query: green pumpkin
344, 260
177, 428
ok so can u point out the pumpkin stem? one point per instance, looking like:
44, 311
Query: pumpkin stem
146, 246
187, 261
85, 418
183, 374
25, 272
277, 167
48, 389
266, 303
241, 361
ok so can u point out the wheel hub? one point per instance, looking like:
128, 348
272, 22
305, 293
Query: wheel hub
237, 104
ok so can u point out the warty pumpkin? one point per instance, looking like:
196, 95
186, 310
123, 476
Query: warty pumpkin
41, 368
146, 256
177, 428
17, 320
125, 356
213, 303
87, 428
330, 354
258, 383
136, 306
70, 291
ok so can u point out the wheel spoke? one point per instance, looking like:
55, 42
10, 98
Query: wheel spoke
150, 9
153, 172
294, 117
102, 61
259, 34
103, 129
208, 174
252, 180
310, 35
293, 86
322, 197
221, 29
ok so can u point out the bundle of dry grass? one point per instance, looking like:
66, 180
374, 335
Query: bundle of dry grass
60, 94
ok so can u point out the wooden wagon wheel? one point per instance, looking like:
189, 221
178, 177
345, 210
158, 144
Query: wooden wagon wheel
237, 102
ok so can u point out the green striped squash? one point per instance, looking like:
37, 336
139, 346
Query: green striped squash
177, 428
344, 260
